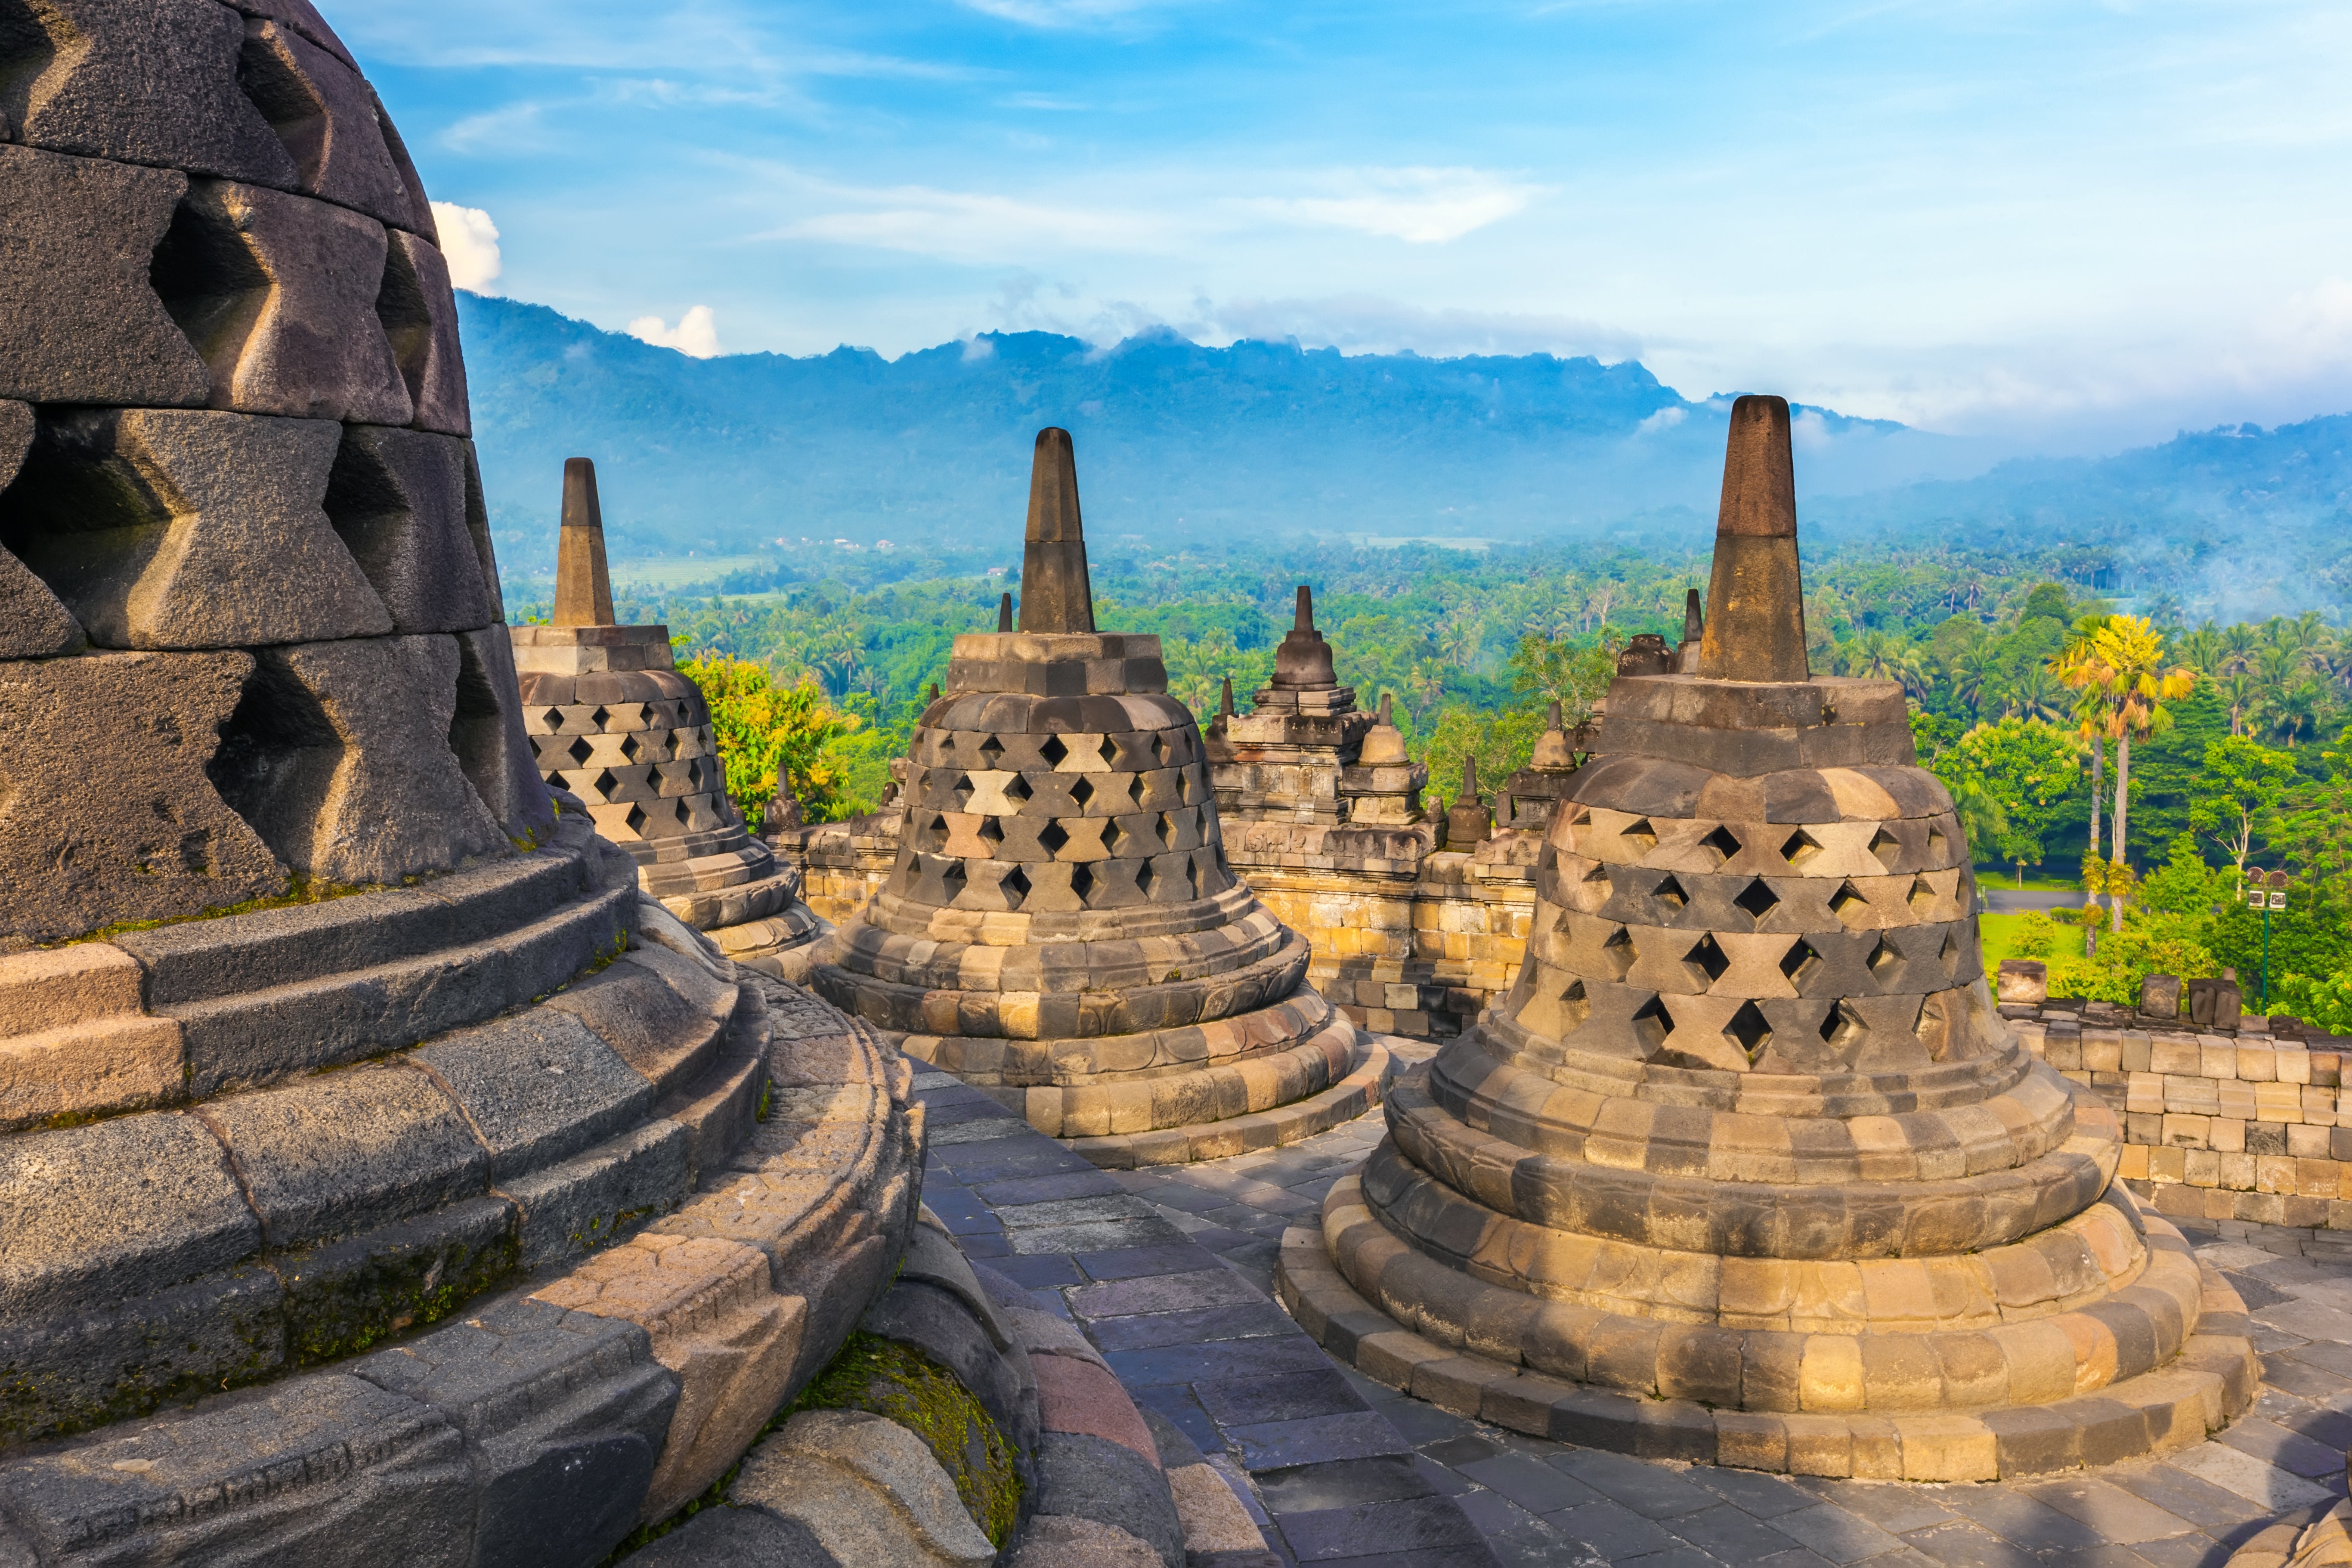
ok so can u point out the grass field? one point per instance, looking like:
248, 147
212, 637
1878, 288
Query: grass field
2000, 930
2038, 879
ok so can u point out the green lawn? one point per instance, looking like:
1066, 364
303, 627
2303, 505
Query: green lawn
2000, 930
2038, 879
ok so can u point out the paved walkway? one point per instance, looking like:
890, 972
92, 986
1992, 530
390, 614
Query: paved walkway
1543, 1502
1332, 1483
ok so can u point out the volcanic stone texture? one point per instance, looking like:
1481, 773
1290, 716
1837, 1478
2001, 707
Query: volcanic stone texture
1061, 926
1749, 1136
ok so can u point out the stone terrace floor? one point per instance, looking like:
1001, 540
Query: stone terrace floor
1537, 1501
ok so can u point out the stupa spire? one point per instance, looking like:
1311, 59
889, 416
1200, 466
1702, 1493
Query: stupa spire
583, 586
1756, 630
1304, 620
1225, 702
1055, 593
1004, 613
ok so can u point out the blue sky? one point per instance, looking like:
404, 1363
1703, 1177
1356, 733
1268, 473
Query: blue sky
2062, 224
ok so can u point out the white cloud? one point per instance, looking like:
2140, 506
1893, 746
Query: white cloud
470, 242
695, 336
1664, 419
1360, 323
1419, 205
1059, 13
966, 225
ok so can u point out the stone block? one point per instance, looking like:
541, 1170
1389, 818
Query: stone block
277, 293
866, 1488
169, 529
323, 1470
348, 1151
740, 1537
123, 1063
64, 986
717, 1322
343, 1296
580, 1204
420, 318
946, 1328
33, 623
117, 1209
77, 237
158, 87
340, 755
2023, 981
536, 1087
1084, 1476
329, 118
397, 498
562, 1413
487, 734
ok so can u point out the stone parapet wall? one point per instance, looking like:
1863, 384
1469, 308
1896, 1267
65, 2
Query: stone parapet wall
2216, 1126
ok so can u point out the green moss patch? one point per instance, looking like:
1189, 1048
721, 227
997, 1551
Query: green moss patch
901, 1384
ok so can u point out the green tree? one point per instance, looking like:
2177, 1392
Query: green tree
1574, 674
767, 732
2028, 768
2242, 783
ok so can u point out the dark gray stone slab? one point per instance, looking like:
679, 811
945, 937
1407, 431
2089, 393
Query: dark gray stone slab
537, 1087
564, 1413
738, 1538
578, 1206
348, 1151
1093, 1478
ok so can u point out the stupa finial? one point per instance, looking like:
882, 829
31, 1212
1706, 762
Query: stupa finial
1756, 630
1304, 621
1005, 614
1055, 593
583, 585
1225, 702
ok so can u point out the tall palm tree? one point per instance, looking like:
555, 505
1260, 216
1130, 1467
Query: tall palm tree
2294, 713
2237, 645
1974, 672
2129, 655
2202, 649
2076, 668
2038, 694
2277, 665
2241, 693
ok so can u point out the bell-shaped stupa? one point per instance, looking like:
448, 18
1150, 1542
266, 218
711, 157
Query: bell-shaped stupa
1062, 927
612, 720
1747, 1168
382, 1176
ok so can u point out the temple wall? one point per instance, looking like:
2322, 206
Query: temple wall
2216, 1126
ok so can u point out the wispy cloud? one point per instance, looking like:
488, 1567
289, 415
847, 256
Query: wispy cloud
963, 226
1370, 324
1059, 14
1419, 205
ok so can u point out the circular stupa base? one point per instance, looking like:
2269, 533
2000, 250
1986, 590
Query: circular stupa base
2212, 1380
1274, 1128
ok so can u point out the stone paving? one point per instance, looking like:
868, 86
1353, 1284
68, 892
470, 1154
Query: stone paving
1326, 1477
1543, 1502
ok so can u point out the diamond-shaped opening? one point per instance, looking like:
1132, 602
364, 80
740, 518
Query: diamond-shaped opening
1670, 893
636, 818
1641, 833
1935, 843
1082, 792
1187, 790
1573, 1006
1159, 751
1922, 897
1017, 788
1840, 1028
1708, 955
601, 784
1192, 876
1618, 953
962, 791
634, 749
580, 750
1847, 897
1800, 963
1051, 837
1758, 899
1748, 1030
990, 831
598, 718
1653, 1022
1053, 750
1082, 882
1722, 842
932, 836
1116, 840
952, 877
1798, 847
1882, 958
1950, 955
991, 749
1014, 886
1108, 751
1886, 847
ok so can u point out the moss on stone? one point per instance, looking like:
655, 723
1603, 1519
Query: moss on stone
331, 1313
900, 1382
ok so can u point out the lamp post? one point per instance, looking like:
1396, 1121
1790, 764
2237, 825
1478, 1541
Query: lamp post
2265, 892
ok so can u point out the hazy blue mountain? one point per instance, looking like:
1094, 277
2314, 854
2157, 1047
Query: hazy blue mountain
714, 455
1260, 441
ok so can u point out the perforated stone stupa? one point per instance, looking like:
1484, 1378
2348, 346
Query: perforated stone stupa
380, 1179
1061, 926
612, 720
1747, 1168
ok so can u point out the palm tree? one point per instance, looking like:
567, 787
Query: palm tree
2202, 649
2241, 693
2237, 645
2278, 664
2296, 711
2129, 655
1974, 672
2038, 694
2074, 667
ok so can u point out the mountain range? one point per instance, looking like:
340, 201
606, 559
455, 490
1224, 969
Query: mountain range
1259, 440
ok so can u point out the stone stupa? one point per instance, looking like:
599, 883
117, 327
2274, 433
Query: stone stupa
1747, 1168
379, 1175
1062, 927
612, 720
